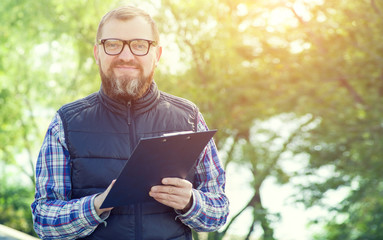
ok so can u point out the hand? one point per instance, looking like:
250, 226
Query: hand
175, 193
100, 199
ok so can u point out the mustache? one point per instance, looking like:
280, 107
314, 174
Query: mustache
124, 63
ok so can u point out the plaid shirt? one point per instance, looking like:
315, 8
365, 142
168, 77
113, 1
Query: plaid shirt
57, 216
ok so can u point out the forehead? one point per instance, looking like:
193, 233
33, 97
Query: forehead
136, 27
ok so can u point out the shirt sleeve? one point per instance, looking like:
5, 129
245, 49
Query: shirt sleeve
210, 204
55, 214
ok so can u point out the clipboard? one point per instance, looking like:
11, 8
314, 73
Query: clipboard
171, 155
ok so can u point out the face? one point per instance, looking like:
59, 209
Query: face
126, 76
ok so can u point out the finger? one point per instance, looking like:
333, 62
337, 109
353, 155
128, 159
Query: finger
167, 193
170, 190
178, 182
105, 194
109, 187
164, 196
168, 203
168, 200
177, 198
176, 202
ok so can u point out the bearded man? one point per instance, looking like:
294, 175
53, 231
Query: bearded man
89, 141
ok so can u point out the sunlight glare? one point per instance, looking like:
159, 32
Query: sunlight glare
242, 9
282, 15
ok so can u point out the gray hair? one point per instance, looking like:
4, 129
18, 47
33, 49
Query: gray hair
125, 13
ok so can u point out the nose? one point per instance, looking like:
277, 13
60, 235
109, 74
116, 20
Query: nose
126, 54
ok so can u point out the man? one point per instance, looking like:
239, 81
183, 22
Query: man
89, 140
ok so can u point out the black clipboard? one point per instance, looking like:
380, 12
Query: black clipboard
154, 158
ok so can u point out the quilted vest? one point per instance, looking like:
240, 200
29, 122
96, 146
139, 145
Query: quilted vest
100, 135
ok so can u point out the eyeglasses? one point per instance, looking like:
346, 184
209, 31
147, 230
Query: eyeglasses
138, 47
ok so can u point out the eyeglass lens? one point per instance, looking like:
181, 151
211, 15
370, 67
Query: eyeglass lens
137, 46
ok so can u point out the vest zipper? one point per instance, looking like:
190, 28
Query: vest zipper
131, 126
129, 112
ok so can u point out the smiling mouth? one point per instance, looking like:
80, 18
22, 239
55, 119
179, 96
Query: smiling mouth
126, 66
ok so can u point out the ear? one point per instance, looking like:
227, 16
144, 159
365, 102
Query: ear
158, 54
95, 53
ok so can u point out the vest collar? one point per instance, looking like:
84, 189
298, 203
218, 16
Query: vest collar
139, 106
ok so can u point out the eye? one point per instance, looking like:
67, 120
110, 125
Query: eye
139, 44
113, 44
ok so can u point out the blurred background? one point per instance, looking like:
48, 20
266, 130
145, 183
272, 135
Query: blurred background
295, 88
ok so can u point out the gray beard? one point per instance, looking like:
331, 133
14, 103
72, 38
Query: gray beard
125, 89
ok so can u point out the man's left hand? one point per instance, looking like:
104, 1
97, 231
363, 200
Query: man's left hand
175, 193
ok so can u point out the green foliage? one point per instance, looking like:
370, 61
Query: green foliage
15, 199
363, 210
46, 60
325, 62
320, 67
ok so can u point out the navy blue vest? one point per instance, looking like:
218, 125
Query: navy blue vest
100, 135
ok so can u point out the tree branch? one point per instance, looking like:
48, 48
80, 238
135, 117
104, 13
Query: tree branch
196, 59
251, 229
274, 160
318, 42
30, 155
357, 98
376, 9
381, 85
249, 204
231, 152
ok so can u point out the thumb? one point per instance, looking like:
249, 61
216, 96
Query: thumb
109, 188
105, 194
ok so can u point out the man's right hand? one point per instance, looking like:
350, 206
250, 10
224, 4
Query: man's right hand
100, 199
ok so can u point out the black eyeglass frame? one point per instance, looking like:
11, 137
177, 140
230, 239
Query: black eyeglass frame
127, 42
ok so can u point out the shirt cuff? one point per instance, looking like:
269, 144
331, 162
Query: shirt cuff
195, 209
89, 213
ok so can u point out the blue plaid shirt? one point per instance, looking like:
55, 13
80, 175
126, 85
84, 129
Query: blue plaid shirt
57, 216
